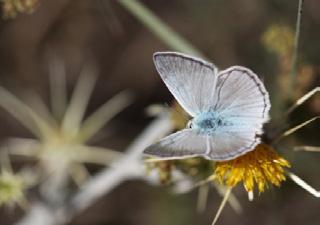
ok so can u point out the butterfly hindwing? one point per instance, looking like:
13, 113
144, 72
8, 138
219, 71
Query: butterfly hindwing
189, 143
184, 143
241, 96
229, 145
242, 100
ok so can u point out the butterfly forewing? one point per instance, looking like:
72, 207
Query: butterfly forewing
190, 80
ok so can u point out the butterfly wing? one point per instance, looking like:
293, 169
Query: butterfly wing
182, 144
229, 145
242, 97
242, 100
191, 80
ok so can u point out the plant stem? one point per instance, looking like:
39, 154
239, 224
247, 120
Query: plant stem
159, 28
296, 48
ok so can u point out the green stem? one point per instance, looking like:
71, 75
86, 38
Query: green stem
159, 28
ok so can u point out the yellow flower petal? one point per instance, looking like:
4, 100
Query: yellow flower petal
261, 167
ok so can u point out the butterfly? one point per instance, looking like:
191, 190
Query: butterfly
228, 108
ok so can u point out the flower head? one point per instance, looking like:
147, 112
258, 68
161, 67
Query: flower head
260, 167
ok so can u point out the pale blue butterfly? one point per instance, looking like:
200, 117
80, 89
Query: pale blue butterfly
228, 107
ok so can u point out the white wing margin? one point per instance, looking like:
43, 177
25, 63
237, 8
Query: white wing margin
182, 144
190, 80
242, 97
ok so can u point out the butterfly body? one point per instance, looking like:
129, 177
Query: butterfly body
228, 108
208, 123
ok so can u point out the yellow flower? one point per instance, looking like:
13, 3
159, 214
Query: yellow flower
258, 167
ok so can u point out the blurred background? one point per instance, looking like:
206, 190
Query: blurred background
118, 38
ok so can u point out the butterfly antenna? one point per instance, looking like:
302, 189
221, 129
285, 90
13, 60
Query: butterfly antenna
222, 205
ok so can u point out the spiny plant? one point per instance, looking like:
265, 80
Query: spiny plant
61, 133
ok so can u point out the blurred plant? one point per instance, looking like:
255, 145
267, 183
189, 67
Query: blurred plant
123, 168
13, 186
11, 8
283, 41
61, 136
280, 40
307, 148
